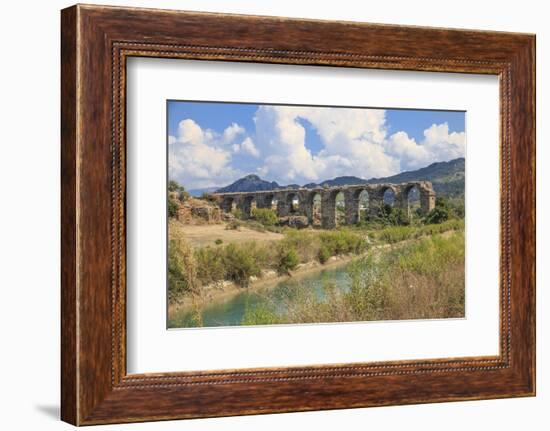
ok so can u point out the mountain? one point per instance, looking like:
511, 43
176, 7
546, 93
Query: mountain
339, 181
447, 179
250, 183
439, 171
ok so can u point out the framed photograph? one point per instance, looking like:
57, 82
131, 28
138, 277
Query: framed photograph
264, 214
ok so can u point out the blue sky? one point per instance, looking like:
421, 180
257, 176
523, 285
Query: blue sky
213, 143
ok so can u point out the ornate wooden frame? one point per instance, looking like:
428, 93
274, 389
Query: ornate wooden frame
95, 42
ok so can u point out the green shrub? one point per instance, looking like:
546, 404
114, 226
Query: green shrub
234, 262
305, 243
237, 213
173, 186
324, 254
172, 208
287, 260
210, 264
242, 262
265, 216
437, 215
400, 217
456, 206
218, 241
343, 241
442, 212
183, 195
387, 215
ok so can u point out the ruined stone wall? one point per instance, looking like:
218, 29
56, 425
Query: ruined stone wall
196, 213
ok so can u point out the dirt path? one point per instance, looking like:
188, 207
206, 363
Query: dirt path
202, 235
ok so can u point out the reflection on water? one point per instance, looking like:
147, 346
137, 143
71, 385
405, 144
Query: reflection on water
230, 312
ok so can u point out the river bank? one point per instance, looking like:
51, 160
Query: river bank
225, 290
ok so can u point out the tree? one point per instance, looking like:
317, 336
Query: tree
400, 217
440, 213
442, 202
175, 187
437, 215
265, 216
389, 215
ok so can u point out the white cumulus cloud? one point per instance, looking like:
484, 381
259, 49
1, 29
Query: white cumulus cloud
353, 142
438, 145
246, 147
444, 145
197, 157
231, 132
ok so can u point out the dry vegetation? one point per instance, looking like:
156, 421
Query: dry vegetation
421, 280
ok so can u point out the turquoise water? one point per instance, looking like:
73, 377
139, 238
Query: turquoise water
230, 312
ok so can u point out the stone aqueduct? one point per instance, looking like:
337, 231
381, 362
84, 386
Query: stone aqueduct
285, 200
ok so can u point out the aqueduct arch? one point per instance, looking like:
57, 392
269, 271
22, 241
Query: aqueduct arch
352, 200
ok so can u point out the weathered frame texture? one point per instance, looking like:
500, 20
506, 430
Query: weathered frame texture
95, 43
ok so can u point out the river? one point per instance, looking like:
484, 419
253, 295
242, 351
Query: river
230, 311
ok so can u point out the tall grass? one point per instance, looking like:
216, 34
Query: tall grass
310, 244
393, 234
182, 268
424, 279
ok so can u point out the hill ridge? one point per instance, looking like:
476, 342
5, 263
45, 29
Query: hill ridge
446, 177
